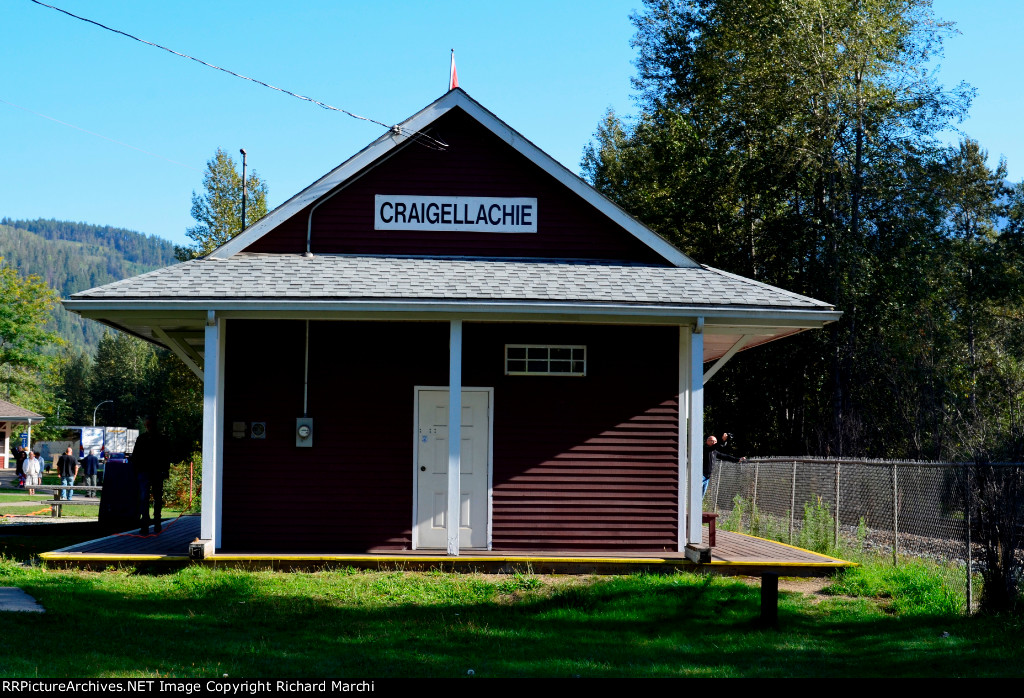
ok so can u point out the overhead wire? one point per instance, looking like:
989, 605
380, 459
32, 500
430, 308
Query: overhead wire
418, 136
98, 135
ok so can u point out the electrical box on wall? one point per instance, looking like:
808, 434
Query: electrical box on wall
304, 432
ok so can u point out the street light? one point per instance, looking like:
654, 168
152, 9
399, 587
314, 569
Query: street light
97, 407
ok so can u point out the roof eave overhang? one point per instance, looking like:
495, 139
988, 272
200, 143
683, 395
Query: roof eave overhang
108, 310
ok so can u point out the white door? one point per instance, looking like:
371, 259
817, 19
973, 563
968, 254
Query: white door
432, 469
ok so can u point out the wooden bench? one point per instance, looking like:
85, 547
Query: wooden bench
56, 504
708, 518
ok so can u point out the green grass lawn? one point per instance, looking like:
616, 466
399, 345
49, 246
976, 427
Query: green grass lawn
199, 622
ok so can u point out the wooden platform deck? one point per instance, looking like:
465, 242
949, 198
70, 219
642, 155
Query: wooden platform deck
734, 554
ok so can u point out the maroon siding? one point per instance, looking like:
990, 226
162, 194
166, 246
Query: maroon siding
583, 463
586, 463
476, 163
353, 490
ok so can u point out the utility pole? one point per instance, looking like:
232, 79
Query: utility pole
242, 151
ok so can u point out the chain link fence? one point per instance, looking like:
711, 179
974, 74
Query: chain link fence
894, 508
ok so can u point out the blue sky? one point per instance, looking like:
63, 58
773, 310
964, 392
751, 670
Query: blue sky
550, 69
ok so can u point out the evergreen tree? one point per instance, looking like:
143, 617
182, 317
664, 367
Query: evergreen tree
794, 141
72, 387
125, 371
218, 212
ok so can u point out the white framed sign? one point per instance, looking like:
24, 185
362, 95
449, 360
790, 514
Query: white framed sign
481, 214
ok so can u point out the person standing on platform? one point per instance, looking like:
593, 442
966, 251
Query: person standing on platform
91, 466
67, 467
151, 466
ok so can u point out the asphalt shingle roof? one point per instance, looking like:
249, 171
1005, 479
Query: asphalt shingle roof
11, 412
341, 277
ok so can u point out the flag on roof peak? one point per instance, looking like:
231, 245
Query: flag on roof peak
453, 78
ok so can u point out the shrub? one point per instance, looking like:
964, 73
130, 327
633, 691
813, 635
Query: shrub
817, 531
176, 487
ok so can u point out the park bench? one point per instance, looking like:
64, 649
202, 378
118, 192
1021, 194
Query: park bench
56, 504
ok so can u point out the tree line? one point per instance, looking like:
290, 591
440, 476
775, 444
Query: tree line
797, 142
117, 379
138, 379
71, 257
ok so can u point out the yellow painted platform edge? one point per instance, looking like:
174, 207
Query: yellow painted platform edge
803, 550
433, 558
495, 558
768, 563
110, 557
71, 557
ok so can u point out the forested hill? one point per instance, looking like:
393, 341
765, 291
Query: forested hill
72, 257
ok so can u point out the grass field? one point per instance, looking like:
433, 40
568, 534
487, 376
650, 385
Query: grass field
206, 623
875, 620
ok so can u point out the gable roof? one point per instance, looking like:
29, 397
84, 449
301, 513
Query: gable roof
419, 123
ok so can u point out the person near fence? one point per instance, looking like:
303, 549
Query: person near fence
91, 466
712, 453
151, 465
67, 466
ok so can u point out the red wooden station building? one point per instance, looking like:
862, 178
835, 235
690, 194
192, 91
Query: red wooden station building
451, 344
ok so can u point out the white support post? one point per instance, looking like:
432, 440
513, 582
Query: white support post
684, 411
695, 455
454, 436
213, 412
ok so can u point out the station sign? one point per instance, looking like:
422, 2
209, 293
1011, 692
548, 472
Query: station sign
482, 214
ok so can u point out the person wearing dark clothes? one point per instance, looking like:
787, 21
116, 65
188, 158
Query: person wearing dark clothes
713, 453
149, 461
19, 459
67, 466
91, 466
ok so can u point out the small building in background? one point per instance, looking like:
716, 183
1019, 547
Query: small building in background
14, 421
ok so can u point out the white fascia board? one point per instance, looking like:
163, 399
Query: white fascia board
572, 181
420, 122
732, 317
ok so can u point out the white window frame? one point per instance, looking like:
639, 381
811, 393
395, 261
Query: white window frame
547, 360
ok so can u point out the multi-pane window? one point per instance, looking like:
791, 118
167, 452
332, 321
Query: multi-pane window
545, 360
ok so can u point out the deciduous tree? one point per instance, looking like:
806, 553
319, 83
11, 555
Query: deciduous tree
26, 349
